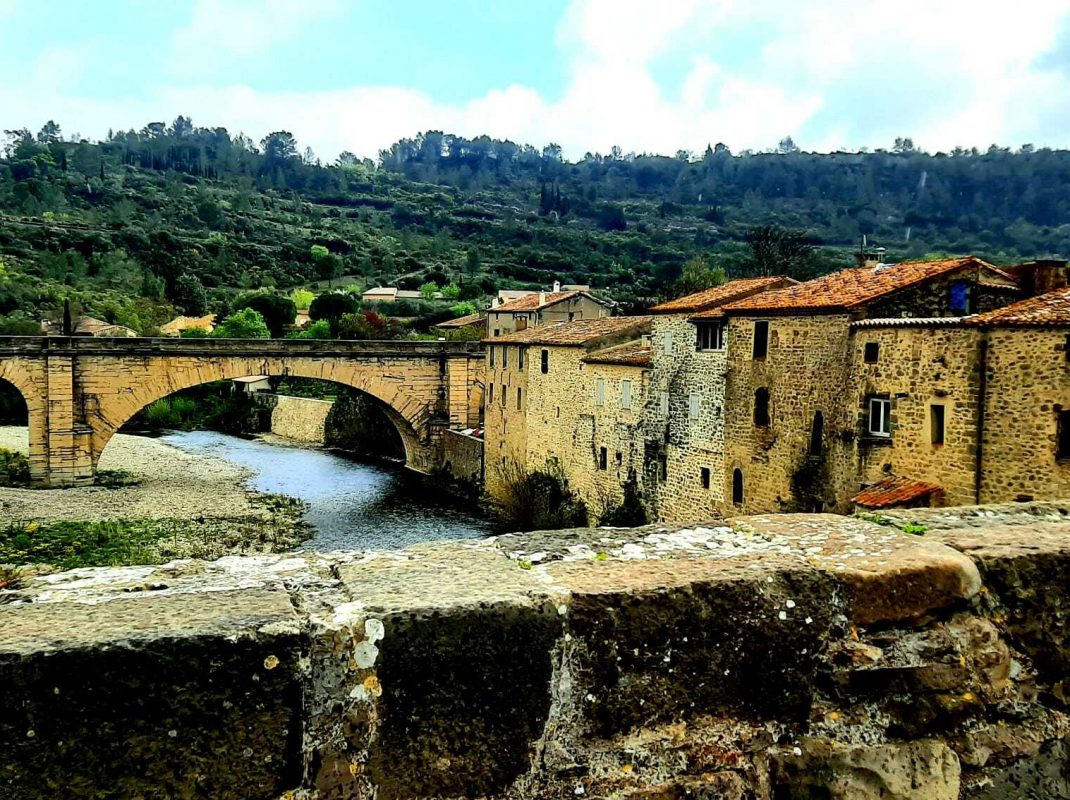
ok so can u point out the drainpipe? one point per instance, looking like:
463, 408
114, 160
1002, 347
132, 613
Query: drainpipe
982, 388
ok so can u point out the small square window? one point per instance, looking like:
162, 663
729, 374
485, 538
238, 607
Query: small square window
936, 422
704, 474
872, 352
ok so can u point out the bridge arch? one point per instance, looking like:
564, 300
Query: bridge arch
398, 408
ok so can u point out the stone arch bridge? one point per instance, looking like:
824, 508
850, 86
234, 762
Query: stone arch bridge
80, 391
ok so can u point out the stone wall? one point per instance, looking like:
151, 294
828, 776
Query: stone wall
1028, 384
300, 418
918, 367
805, 371
462, 456
680, 445
505, 420
760, 659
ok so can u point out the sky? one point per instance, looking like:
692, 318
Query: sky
644, 75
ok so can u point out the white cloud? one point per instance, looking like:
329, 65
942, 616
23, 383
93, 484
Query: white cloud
221, 31
841, 73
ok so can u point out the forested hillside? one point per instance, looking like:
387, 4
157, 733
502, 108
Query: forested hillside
179, 217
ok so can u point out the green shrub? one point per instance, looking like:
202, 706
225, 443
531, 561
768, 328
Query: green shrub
528, 501
631, 512
14, 468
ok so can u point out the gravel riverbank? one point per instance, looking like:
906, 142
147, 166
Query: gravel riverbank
201, 504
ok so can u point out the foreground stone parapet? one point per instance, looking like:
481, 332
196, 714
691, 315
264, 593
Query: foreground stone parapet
768, 657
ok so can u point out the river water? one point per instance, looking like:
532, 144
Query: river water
351, 505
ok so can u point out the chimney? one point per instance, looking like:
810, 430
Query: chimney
494, 301
542, 298
869, 256
557, 286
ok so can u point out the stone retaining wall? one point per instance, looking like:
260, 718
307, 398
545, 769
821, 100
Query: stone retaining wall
769, 657
300, 418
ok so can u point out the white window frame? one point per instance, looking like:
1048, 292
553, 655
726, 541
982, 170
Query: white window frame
694, 405
884, 417
663, 403
599, 392
668, 343
626, 394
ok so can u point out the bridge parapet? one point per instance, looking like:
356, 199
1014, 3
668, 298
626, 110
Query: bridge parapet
782, 655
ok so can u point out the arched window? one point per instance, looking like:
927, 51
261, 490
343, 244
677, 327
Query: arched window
817, 433
737, 486
761, 407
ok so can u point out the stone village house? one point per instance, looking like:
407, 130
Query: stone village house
544, 308
569, 397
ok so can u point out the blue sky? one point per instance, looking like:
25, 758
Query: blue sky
588, 74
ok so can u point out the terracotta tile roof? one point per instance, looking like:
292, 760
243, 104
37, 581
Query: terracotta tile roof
717, 296
894, 491
854, 288
579, 332
629, 354
1052, 308
462, 322
531, 302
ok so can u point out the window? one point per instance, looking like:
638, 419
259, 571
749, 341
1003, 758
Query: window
663, 467
1062, 450
505, 394
936, 422
817, 434
603, 457
545, 361
520, 358
704, 476
737, 486
626, 394
505, 358
571, 316
761, 407
620, 458
959, 299
497, 331
667, 343
519, 398
490, 393
599, 392
663, 403
872, 352
761, 338
1066, 347
694, 405
710, 335
491, 351
880, 417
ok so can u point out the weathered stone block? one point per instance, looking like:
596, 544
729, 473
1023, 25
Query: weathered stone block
176, 696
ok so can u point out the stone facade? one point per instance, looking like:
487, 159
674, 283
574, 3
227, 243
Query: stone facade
799, 656
684, 429
1028, 386
80, 391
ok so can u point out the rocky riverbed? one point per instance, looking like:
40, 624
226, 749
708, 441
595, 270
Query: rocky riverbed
191, 505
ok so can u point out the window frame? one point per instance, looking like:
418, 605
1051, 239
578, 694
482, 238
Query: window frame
704, 477
519, 398
885, 403
876, 352
1062, 435
603, 458
937, 413
710, 335
599, 392
545, 359
626, 394
765, 418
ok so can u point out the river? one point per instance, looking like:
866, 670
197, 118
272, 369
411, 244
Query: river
351, 505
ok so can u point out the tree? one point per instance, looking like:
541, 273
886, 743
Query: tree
188, 294
787, 145
472, 261
779, 251
331, 306
278, 312
451, 291
427, 290
50, 133
698, 275
244, 324
903, 144
328, 265
463, 309
279, 146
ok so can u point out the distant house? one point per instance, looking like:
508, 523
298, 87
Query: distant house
89, 326
542, 308
179, 324
252, 384
391, 294
477, 321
